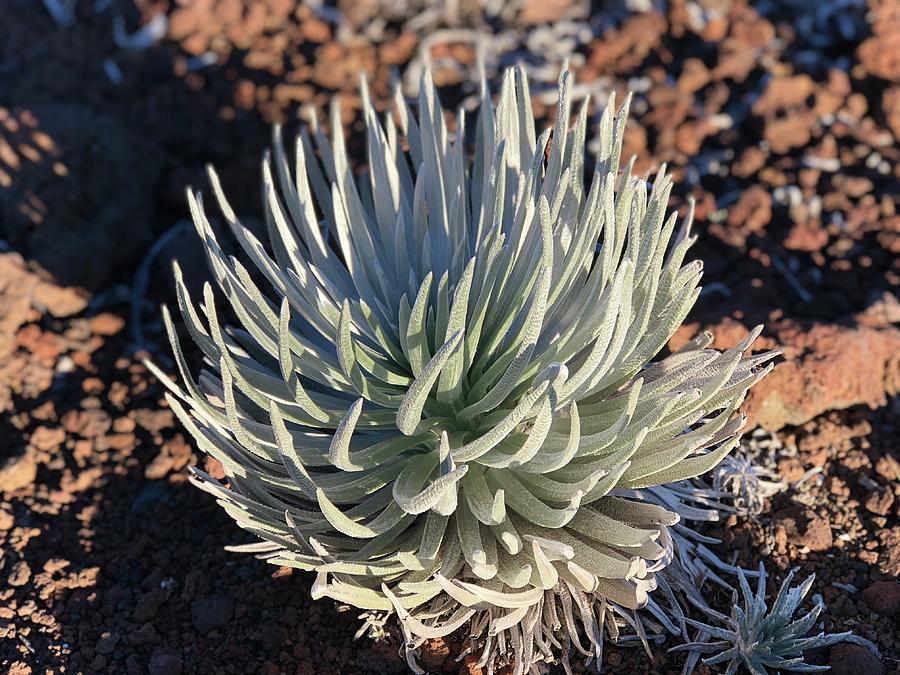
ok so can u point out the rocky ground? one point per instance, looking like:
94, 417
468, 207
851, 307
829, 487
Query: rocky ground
781, 121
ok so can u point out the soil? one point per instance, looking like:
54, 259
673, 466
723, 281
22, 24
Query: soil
782, 123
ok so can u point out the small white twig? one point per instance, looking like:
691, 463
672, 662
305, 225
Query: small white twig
716, 287
62, 12
809, 474
112, 70
791, 279
145, 36
201, 61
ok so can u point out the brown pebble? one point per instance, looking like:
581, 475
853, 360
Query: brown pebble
106, 324
801, 526
880, 503
883, 597
18, 472
20, 574
92, 386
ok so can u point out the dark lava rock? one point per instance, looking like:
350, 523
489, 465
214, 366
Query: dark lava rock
852, 659
211, 612
107, 643
164, 662
883, 597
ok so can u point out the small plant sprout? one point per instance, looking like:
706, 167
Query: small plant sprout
747, 484
441, 391
761, 639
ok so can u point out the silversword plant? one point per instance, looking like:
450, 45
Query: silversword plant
762, 639
439, 394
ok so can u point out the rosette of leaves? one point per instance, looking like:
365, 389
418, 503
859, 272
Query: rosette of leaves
438, 392
763, 639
